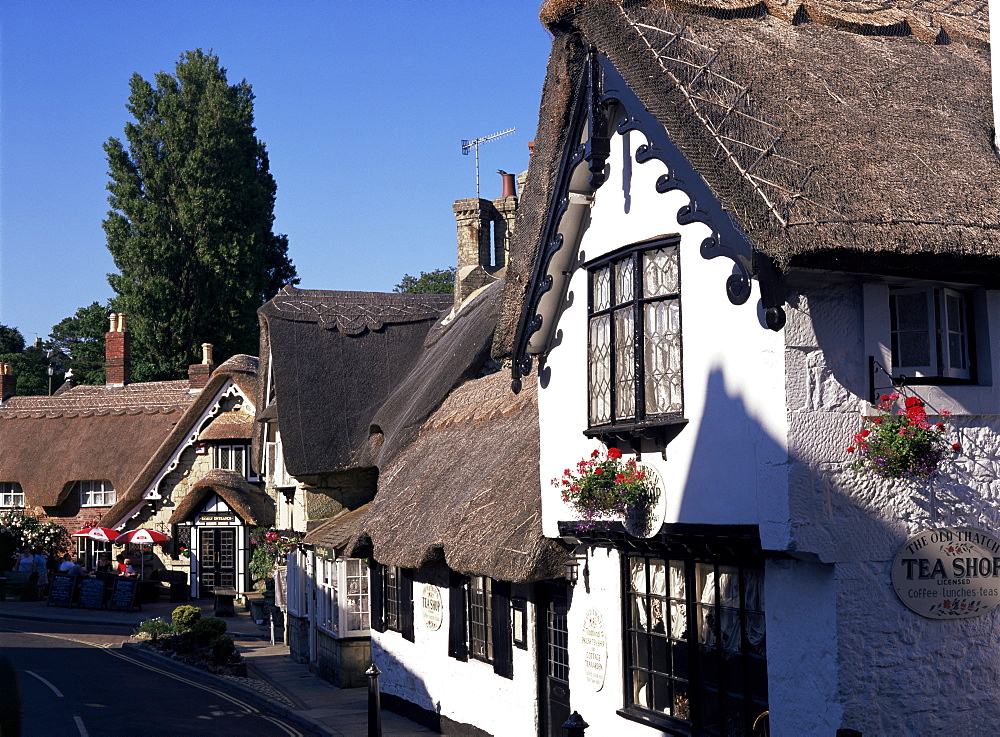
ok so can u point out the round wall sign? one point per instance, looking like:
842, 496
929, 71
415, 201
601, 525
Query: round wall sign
949, 573
595, 649
430, 607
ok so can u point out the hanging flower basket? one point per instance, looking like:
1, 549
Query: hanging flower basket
901, 442
605, 486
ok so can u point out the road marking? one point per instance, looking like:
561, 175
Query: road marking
79, 725
287, 728
55, 690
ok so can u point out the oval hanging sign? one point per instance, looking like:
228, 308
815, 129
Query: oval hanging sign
430, 607
949, 573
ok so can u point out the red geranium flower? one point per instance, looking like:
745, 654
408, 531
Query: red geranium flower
957, 447
850, 449
614, 453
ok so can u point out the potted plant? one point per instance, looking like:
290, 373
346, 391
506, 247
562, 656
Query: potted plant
902, 442
604, 485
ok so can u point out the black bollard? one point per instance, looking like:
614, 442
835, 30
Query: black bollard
575, 726
374, 702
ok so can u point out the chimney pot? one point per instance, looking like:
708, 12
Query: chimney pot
206, 353
8, 382
114, 322
509, 188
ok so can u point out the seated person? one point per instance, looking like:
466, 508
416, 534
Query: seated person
71, 565
103, 563
130, 570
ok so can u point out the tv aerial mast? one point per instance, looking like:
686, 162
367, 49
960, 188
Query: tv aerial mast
466, 145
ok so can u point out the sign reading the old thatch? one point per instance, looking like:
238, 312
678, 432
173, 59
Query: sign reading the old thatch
595, 649
949, 573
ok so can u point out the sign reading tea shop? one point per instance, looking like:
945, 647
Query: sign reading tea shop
431, 609
949, 573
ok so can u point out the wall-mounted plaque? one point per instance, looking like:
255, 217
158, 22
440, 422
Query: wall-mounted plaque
949, 573
595, 649
430, 607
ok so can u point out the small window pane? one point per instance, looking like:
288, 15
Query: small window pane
624, 281
602, 289
660, 272
600, 370
624, 363
663, 357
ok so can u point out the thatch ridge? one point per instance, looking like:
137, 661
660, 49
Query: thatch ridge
336, 358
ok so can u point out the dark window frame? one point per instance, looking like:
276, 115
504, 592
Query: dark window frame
661, 427
391, 599
939, 371
481, 617
700, 659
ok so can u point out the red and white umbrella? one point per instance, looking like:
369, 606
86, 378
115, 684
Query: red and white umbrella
142, 536
104, 534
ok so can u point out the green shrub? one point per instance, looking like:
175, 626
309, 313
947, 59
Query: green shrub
207, 629
185, 615
154, 627
223, 650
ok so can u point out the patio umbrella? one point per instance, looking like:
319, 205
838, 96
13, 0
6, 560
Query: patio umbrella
142, 536
104, 534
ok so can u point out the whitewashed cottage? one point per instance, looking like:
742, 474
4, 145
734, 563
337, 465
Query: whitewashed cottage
744, 222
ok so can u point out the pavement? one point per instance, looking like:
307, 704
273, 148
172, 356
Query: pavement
307, 700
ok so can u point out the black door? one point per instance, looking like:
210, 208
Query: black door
553, 652
216, 559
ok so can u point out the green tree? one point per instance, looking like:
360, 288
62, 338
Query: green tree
11, 340
439, 281
80, 339
190, 227
31, 368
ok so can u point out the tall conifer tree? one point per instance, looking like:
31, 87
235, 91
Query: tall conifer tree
190, 227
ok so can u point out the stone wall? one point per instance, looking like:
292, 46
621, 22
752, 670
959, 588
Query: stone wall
343, 661
898, 673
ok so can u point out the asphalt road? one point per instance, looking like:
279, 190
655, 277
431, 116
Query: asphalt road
75, 682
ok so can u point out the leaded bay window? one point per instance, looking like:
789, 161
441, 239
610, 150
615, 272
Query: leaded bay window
342, 596
695, 644
635, 337
97, 493
930, 332
11, 494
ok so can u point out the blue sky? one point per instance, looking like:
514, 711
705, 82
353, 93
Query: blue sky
362, 106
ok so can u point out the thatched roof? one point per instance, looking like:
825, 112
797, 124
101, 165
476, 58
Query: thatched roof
466, 490
335, 358
336, 532
235, 425
86, 433
238, 369
840, 135
249, 502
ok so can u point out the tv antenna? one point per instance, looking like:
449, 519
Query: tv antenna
466, 145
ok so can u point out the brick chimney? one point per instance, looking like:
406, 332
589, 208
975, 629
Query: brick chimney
8, 382
484, 232
200, 373
117, 352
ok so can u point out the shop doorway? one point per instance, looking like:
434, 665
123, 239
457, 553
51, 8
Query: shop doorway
553, 641
216, 559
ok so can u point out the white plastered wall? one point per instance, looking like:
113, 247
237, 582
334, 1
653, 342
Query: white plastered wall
468, 692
